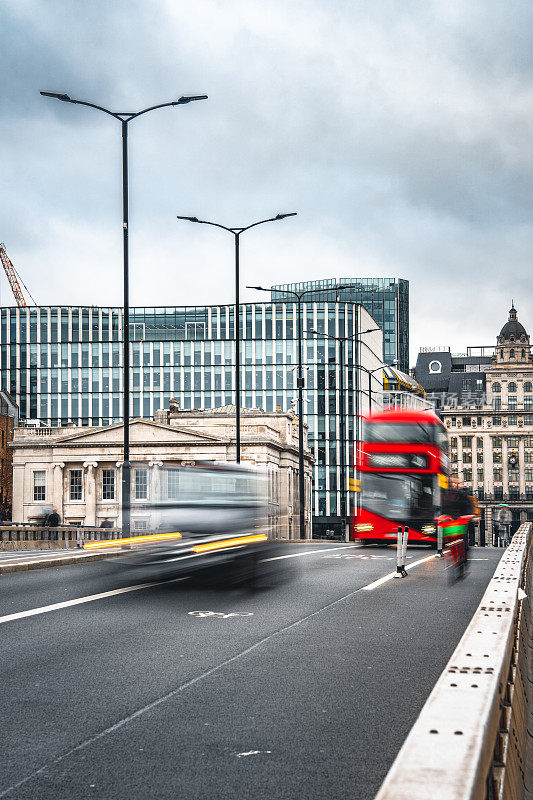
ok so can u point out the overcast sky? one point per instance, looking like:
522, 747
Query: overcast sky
401, 131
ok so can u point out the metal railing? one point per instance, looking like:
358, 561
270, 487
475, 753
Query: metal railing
471, 740
65, 536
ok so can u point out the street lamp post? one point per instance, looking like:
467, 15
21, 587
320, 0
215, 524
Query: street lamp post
124, 117
300, 384
342, 413
237, 328
370, 372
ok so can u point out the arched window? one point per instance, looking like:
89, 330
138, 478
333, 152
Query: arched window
511, 337
511, 353
523, 353
496, 387
527, 386
512, 387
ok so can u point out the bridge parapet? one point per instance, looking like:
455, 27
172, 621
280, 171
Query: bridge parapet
473, 738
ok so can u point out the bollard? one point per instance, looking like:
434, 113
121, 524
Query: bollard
401, 548
439, 542
404, 550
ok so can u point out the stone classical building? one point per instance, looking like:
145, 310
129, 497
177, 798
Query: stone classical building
77, 470
492, 441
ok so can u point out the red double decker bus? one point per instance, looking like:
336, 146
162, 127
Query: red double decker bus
403, 464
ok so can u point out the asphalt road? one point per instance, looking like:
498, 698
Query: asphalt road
307, 692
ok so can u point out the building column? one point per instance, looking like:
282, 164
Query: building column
154, 486
58, 490
17, 503
90, 492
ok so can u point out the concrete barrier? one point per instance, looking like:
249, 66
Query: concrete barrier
473, 738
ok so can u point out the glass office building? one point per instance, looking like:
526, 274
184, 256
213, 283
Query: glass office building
63, 365
385, 299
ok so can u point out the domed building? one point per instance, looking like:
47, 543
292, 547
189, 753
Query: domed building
492, 445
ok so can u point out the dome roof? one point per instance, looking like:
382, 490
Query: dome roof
512, 328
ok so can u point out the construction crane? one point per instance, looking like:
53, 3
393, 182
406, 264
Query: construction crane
13, 277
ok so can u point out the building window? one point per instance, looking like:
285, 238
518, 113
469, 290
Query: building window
480, 421
466, 441
523, 353
496, 387
479, 443
528, 441
108, 484
529, 474
454, 456
140, 525
76, 484
141, 484
467, 458
496, 420
511, 352
513, 441
498, 492
528, 403
480, 475
466, 383
479, 456
173, 484
39, 485
514, 476
453, 441
512, 419
528, 419
497, 457
467, 421
511, 403
497, 441
453, 422
528, 457
512, 387
467, 475
528, 386
498, 474
497, 404
514, 493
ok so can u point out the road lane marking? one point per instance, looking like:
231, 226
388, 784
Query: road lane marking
32, 612
391, 575
310, 552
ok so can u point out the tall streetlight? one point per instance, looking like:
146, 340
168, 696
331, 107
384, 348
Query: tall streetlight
300, 383
237, 328
124, 117
342, 412
370, 372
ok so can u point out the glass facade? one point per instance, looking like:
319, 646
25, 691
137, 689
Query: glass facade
385, 299
63, 365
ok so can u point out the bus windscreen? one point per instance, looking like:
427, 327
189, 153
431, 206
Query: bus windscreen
405, 432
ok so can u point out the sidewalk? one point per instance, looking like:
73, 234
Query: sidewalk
21, 561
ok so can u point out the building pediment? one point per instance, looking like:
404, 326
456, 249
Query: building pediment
141, 431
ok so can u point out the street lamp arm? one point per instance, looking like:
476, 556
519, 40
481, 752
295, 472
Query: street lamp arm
66, 99
179, 102
270, 219
206, 222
